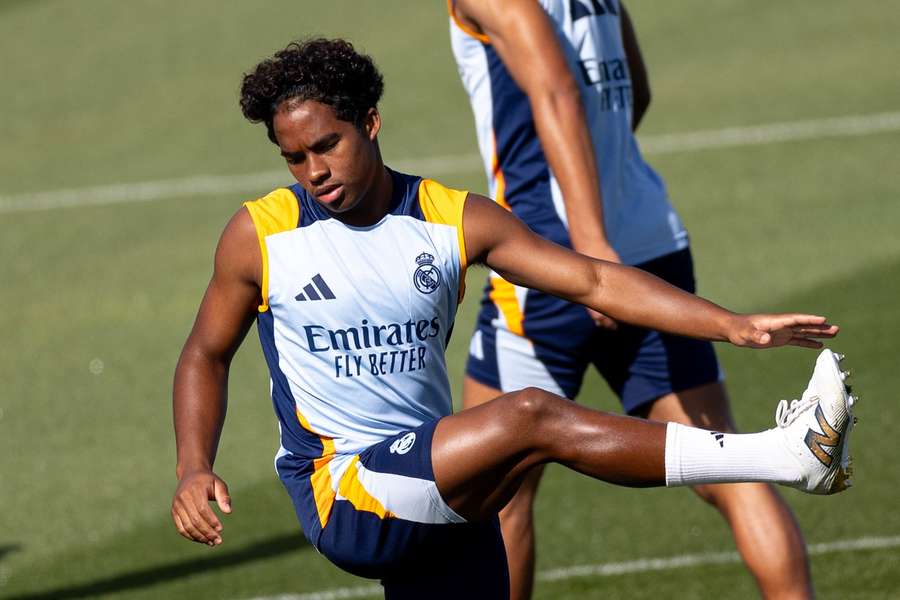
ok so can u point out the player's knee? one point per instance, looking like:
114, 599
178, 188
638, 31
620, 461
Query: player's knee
532, 406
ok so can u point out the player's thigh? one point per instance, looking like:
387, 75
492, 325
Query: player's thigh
481, 455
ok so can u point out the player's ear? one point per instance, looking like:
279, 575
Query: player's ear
372, 123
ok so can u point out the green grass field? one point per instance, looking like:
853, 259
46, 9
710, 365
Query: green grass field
97, 300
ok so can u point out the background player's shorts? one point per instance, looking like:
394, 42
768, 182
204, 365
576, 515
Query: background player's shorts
389, 522
560, 340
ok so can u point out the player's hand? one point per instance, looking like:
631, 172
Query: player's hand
771, 331
191, 512
604, 252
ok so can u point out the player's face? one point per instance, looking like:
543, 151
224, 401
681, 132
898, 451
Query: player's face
334, 160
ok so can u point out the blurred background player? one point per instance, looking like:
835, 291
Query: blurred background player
557, 88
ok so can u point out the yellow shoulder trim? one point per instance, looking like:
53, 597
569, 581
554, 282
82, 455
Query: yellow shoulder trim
443, 205
451, 8
273, 213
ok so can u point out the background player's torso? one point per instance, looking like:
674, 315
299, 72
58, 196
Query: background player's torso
640, 222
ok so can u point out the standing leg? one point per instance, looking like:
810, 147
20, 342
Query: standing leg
765, 532
517, 517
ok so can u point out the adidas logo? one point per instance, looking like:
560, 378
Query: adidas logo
317, 290
720, 437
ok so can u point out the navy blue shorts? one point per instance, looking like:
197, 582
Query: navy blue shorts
527, 338
386, 520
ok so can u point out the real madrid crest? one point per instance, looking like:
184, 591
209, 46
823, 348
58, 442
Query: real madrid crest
427, 276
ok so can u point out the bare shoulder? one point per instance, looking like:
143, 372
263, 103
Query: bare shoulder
238, 253
486, 224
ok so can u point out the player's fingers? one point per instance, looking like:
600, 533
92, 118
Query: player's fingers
207, 522
760, 337
223, 499
197, 513
805, 343
771, 322
180, 527
211, 523
605, 322
801, 319
823, 330
190, 526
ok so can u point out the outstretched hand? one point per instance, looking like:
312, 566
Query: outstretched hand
191, 512
774, 330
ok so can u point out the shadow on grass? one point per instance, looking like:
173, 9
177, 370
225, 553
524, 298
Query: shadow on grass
151, 576
9, 549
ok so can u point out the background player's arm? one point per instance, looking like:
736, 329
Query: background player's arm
640, 82
522, 34
495, 237
201, 379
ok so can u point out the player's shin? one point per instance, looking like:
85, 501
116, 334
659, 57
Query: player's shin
695, 456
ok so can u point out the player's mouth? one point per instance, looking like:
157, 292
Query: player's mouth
329, 193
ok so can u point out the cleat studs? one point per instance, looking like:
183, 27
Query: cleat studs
855, 419
851, 400
839, 357
845, 375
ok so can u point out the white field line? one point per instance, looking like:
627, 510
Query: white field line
256, 183
641, 565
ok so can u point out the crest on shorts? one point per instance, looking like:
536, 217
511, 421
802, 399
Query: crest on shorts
403, 444
427, 276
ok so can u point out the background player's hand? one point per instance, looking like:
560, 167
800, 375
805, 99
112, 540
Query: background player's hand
771, 331
603, 252
191, 512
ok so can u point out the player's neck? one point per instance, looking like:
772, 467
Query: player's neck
375, 203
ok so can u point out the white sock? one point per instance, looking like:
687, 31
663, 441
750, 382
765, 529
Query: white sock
695, 456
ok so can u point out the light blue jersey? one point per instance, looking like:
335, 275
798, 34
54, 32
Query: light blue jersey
640, 222
354, 323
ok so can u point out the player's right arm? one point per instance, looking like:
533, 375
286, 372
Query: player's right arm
523, 36
496, 238
201, 379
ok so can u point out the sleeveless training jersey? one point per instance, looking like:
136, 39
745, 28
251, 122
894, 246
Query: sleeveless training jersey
640, 223
354, 322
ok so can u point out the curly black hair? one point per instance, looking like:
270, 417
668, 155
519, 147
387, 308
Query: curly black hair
327, 71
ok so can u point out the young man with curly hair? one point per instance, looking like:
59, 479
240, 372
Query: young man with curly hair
353, 276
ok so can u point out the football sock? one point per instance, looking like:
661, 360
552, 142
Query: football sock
695, 456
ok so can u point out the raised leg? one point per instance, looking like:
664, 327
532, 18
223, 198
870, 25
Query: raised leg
765, 532
481, 455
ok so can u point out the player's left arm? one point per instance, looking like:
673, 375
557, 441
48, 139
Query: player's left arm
640, 81
496, 238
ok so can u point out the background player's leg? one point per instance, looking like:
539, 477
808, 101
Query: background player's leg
517, 517
481, 455
765, 531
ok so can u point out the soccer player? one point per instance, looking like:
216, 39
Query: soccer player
353, 276
557, 88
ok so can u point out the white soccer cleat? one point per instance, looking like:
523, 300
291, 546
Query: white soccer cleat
817, 428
